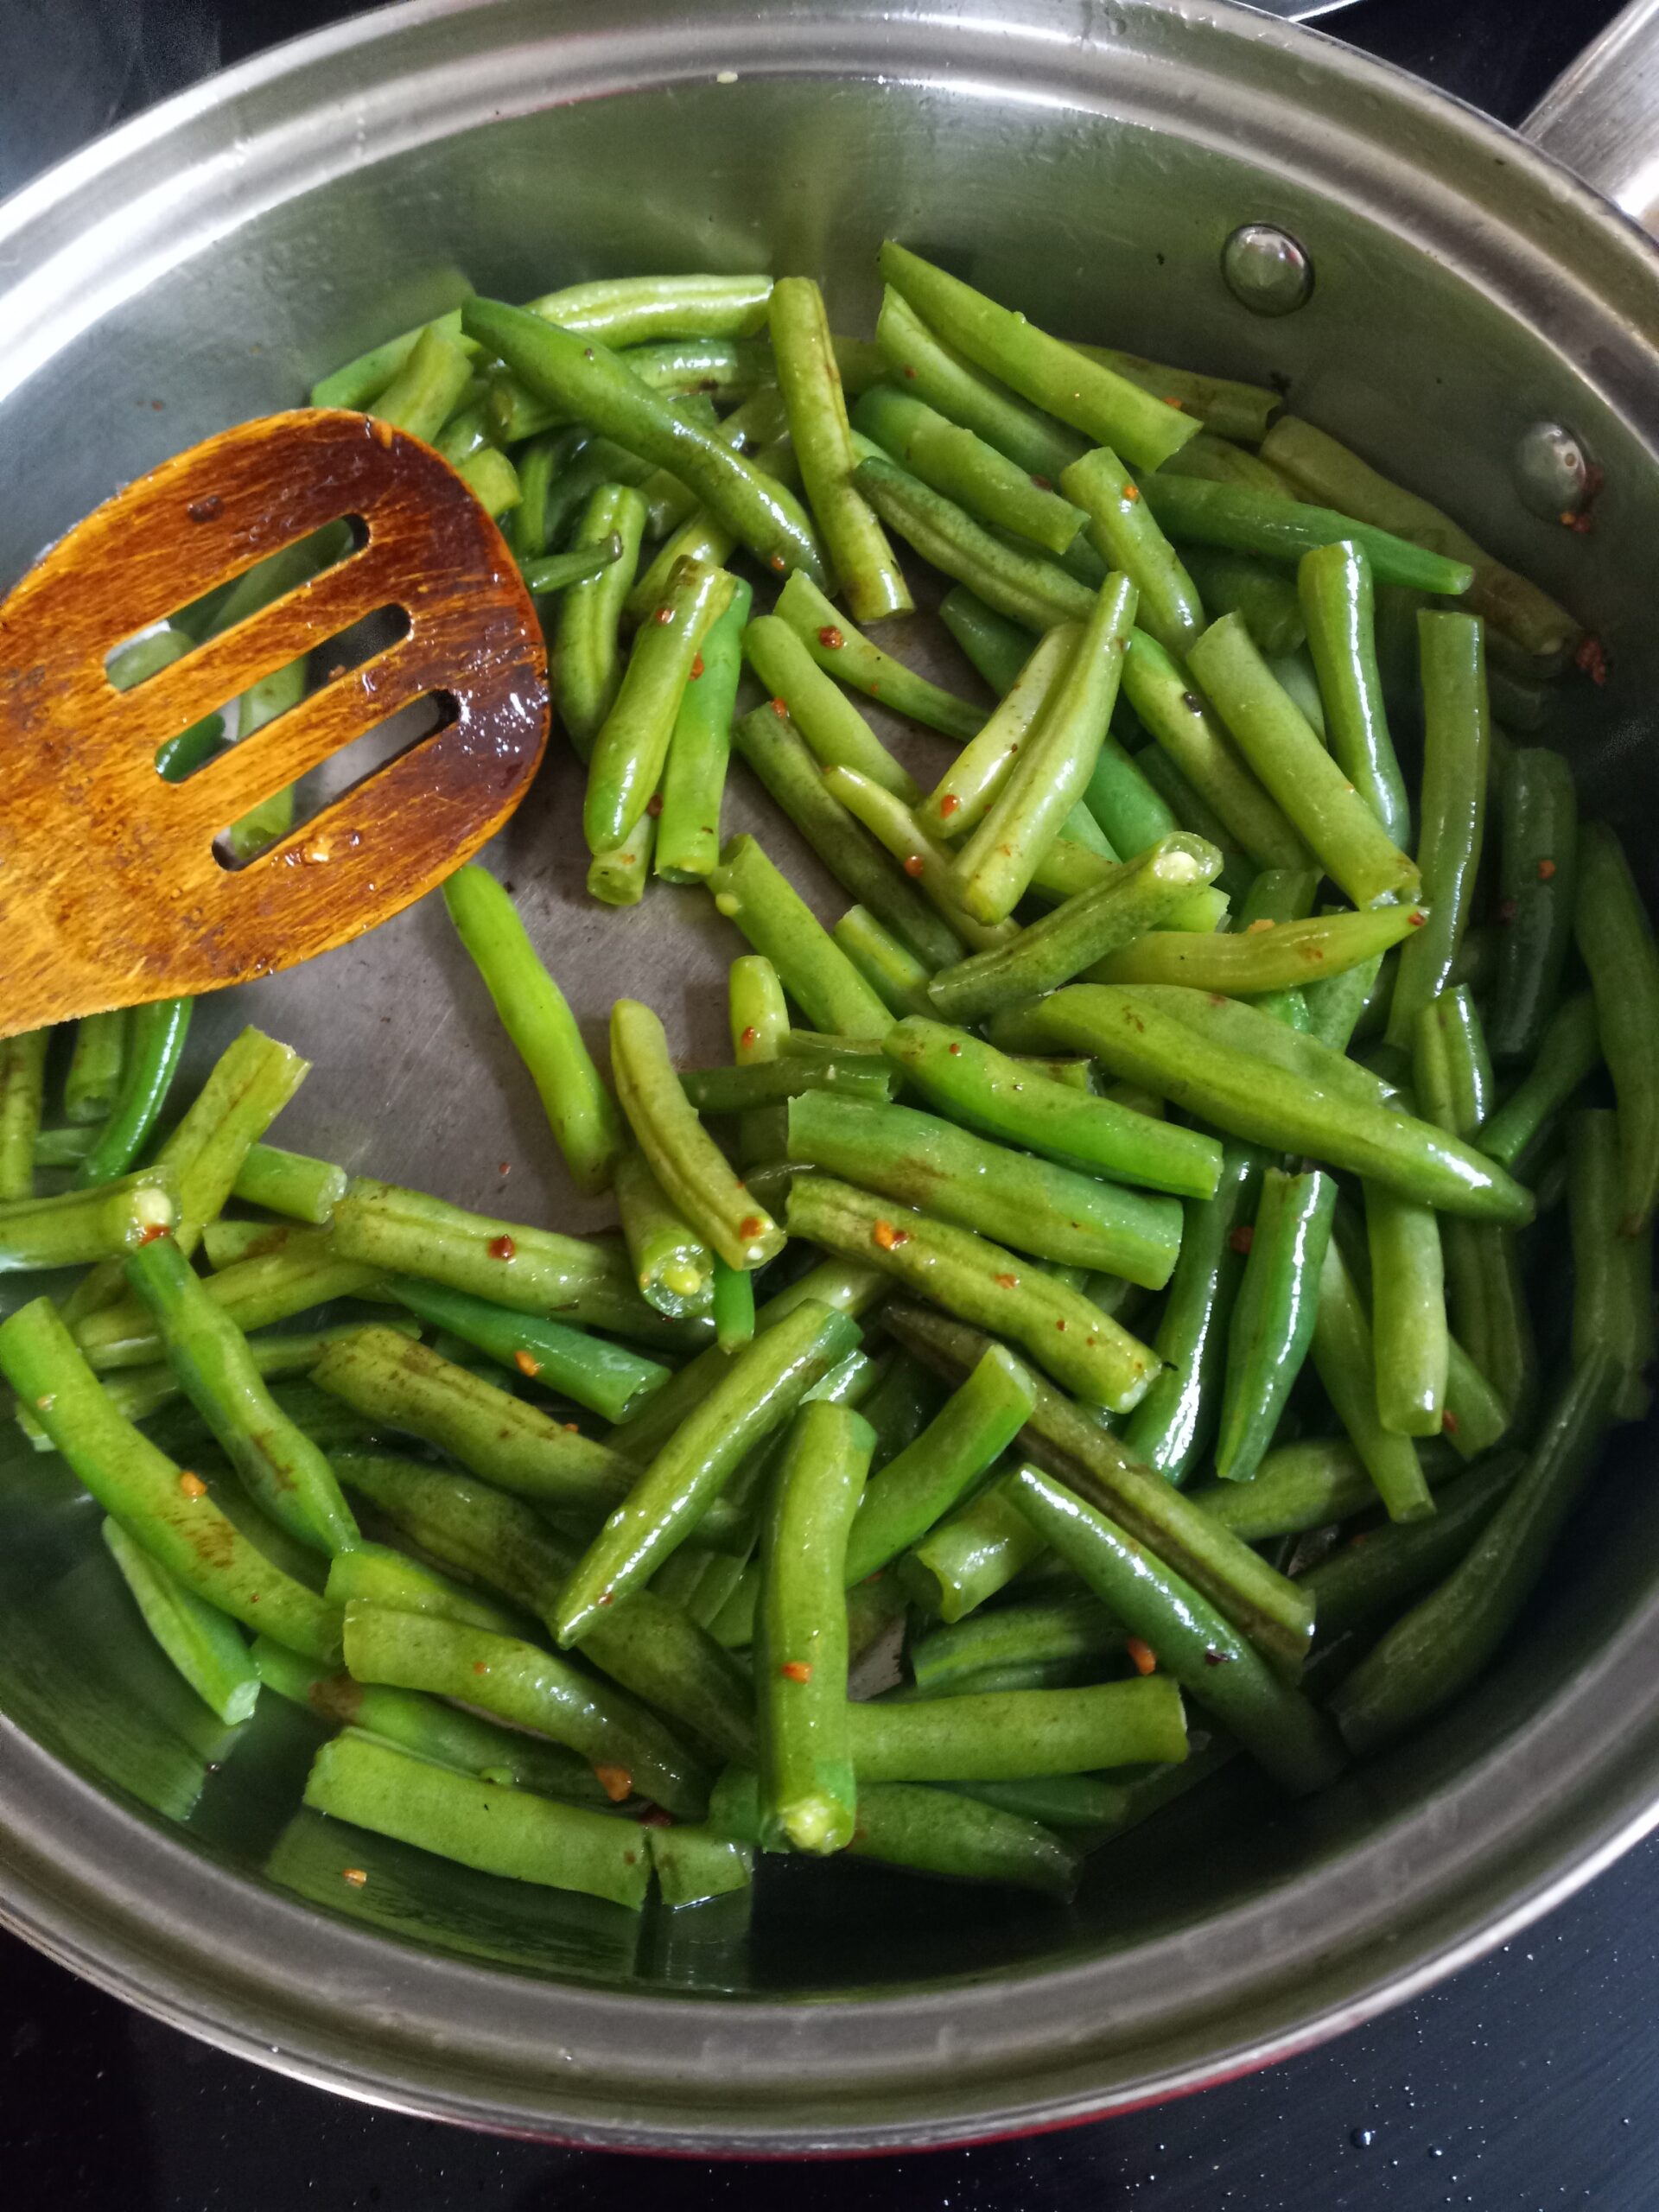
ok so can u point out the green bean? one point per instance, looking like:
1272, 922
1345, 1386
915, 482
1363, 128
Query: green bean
980, 1281
841, 650
167, 1511
693, 1173
202, 1641
759, 1390
956, 461
810, 382
1477, 1416
1081, 392
1241, 520
1345, 1357
290, 1183
807, 1793
588, 666
1176, 1419
81, 1225
921, 362
763, 1084
1457, 745
1220, 462
1569, 1053
1132, 1034
1297, 1487
154, 1045
1083, 931
709, 369
1450, 1637
1227, 409
687, 831
673, 1266
971, 1556
1055, 1630
693, 1865
407, 1386
1124, 531
631, 745
890, 967
1616, 941
542, 463
381, 1576
1025, 585
492, 480
1336, 1006
1373, 1574
285, 1473
371, 1784
618, 877
1337, 601
426, 387
1316, 796
758, 1020
1002, 1097
1408, 1325
538, 1018
1274, 1722
734, 1306
1322, 469
749, 891
303, 1271
1537, 883
832, 726
23, 1085
553, 572
1277, 895
365, 377
1259, 960
631, 310
992, 1736
1612, 1272
92, 1082
591, 383
1273, 1315
1262, 595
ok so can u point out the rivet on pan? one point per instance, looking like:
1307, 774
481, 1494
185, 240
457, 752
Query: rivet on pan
1552, 471
1266, 270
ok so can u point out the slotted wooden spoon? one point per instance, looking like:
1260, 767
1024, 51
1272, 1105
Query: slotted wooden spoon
112, 890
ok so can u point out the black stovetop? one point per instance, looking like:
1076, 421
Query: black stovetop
1524, 2084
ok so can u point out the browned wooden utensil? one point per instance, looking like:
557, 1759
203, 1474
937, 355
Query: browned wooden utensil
111, 889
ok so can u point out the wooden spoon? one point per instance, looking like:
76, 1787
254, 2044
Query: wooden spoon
111, 891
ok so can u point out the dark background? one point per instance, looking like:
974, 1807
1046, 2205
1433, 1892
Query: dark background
1524, 2084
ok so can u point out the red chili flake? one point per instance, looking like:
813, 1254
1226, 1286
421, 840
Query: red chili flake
1214, 1658
1546, 869
1061, 1325
888, 1236
616, 1782
1251, 928
1507, 911
875, 689
696, 667
1170, 400
192, 1485
1416, 918
1242, 1238
1592, 657
795, 1671
910, 372
206, 509
1005, 1282
654, 804
778, 709
504, 1167
915, 865
664, 614
480, 1666
1144, 1658
1449, 1422
571, 1429
955, 1051
502, 1248
750, 1038
354, 1875
750, 1226
831, 639
150, 1232
950, 804
526, 1362
777, 563
1042, 483
1131, 492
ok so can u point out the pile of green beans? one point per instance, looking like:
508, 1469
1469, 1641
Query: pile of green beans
1100, 1279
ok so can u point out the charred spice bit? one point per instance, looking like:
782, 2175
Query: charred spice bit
696, 667
192, 1485
502, 1248
1590, 658
655, 1817
1061, 1325
795, 1671
1546, 869
526, 1362
915, 864
910, 372
831, 639
654, 804
888, 1236
1042, 483
616, 1782
1214, 1658
1507, 911
1242, 1238
1145, 1659
1192, 701
354, 1875
207, 510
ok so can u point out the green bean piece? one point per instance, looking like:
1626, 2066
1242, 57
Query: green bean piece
1322, 470
1001, 1097
1081, 392
302, 1271
1242, 1027
734, 1306
1336, 1006
1298, 1487
1259, 960
166, 1511
993, 1736
92, 1083
1537, 884
407, 1386
1026, 585
1457, 746
1227, 409
1613, 1272
588, 666
708, 370
630, 748
590, 383
777, 922
1337, 601
1262, 595
808, 1790
999, 649
763, 1084
393, 1231
837, 734
284, 1471
1408, 1325
693, 1865
1345, 1357
926, 862
759, 1391
536, 1016
931, 1830
1219, 461
1273, 1318
1195, 1643
1450, 1637
695, 1176
1124, 531
81, 1225
618, 877
980, 1281
156, 1041
758, 1018
553, 572
371, 1784
291, 1183
1477, 1415
935, 1471
956, 461
1034, 1205
1177, 1419
202, 1642
1068, 1629
688, 831
1570, 1052
1241, 520
426, 387
1131, 1033
381, 1576
1615, 939
937, 373
673, 1266
492, 480
1197, 816
1373, 1574
1277, 895
810, 382
842, 651
1190, 732
365, 379
999, 859
890, 967
541, 464
633, 310
1095, 926
971, 1556
1339, 826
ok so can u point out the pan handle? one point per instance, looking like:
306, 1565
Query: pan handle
1600, 117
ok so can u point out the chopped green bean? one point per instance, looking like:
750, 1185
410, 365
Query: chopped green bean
749, 891
1615, 941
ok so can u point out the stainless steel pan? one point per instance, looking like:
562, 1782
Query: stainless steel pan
1089, 159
